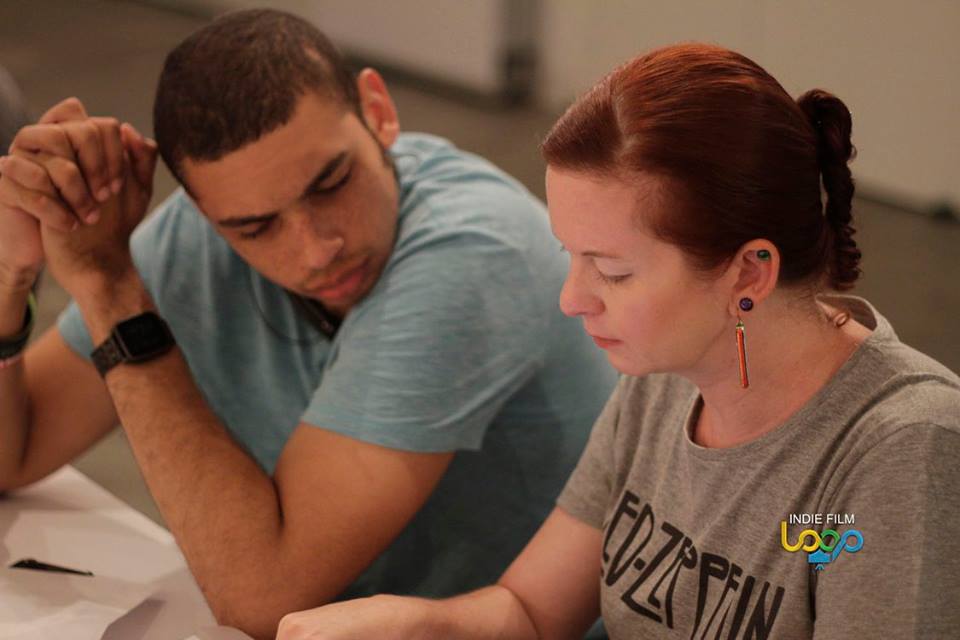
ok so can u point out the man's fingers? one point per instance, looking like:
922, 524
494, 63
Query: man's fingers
110, 139
143, 155
43, 137
47, 210
146, 164
76, 141
57, 177
94, 145
69, 109
25, 172
91, 157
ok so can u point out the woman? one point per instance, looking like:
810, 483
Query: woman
774, 463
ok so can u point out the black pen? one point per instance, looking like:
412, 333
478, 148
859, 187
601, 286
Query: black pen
30, 563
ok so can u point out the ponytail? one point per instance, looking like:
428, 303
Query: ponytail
830, 118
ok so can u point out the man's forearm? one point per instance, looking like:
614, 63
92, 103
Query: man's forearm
14, 401
13, 305
222, 508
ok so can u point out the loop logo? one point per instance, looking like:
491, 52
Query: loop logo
819, 551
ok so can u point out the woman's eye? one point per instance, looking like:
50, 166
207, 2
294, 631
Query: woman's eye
610, 272
612, 279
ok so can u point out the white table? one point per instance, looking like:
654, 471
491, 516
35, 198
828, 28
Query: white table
70, 521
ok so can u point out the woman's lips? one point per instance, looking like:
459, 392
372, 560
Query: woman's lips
604, 343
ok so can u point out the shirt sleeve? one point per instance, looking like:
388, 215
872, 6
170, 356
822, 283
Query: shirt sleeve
449, 333
590, 487
904, 582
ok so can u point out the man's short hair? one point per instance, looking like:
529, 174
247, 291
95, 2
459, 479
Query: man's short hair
239, 78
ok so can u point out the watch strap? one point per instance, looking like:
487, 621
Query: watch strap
107, 355
138, 339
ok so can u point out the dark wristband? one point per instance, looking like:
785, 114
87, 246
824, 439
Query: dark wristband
13, 346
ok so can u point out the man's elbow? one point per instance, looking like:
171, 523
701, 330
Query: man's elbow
259, 615
253, 621
25, 472
12, 482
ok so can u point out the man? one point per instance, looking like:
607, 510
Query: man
371, 387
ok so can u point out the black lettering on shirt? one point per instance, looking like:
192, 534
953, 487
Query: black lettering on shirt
649, 560
619, 566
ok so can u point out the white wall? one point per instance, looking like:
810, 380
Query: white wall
895, 64
456, 41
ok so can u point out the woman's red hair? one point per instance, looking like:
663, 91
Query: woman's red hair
741, 159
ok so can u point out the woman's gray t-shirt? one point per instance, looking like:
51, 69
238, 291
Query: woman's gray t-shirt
693, 546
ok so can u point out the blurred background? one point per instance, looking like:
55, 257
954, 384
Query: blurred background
492, 75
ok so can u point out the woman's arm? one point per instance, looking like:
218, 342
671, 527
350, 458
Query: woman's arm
550, 591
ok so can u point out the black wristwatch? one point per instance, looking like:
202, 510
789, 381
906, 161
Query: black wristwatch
11, 347
137, 339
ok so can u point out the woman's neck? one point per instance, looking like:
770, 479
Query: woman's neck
790, 358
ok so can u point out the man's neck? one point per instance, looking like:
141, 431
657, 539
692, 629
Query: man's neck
322, 319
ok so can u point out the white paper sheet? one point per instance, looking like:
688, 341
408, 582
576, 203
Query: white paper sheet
219, 633
42, 605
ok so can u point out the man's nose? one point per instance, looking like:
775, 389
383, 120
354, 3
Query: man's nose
319, 246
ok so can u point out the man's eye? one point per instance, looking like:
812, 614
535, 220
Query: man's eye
334, 187
260, 228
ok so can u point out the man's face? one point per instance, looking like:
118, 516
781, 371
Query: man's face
311, 205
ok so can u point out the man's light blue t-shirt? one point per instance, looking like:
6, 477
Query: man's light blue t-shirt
459, 347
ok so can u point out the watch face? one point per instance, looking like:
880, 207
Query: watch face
144, 336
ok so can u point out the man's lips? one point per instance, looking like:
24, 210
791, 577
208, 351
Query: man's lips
341, 286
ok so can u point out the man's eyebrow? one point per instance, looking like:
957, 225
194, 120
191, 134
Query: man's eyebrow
324, 173
327, 171
242, 221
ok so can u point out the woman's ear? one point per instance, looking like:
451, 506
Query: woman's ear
754, 271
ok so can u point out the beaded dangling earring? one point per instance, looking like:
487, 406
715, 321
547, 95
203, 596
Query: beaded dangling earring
745, 304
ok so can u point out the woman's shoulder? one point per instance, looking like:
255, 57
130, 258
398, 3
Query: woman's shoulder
910, 386
891, 377
897, 393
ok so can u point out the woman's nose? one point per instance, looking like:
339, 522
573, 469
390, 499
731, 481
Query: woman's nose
576, 297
